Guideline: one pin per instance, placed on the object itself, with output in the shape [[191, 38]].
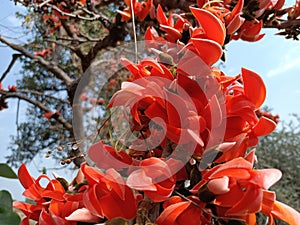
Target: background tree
[[283, 146]]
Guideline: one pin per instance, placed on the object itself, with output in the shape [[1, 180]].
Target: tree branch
[[100, 17], [284, 24], [117, 32], [80, 40], [12, 62], [58, 72], [44, 95], [38, 104], [76, 50]]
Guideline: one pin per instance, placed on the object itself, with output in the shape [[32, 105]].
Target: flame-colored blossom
[[180, 212], [154, 178], [107, 194], [52, 203]]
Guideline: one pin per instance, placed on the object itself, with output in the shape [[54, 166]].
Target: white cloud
[[283, 57], [284, 67]]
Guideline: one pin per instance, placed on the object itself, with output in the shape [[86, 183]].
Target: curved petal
[[286, 213], [115, 182], [235, 24], [219, 186], [91, 202], [107, 157], [236, 10], [250, 28], [162, 193], [192, 216], [172, 33], [130, 66], [113, 206], [25, 178], [151, 62], [252, 38], [160, 16], [146, 6], [92, 175], [251, 202], [265, 178], [241, 166], [150, 34], [45, 218], [187, 62], [254, 87], [279, 4], [171, 213], [209, 51], [138, 180], [264, 126], [82, 215], [269, 198], [26, 208], [213, 27]]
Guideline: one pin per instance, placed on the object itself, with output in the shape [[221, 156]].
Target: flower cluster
[[183, 156]]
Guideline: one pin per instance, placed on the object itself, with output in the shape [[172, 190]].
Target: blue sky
[[276, 59]]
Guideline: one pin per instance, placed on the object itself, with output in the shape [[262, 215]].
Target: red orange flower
[[107, 194], [179, 212], [49, 115], [154, 178], [141, 9], [52, 203], [237, 189], [107, 157]]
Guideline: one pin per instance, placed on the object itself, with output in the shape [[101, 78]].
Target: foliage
[[6, 171], [7, 215], [283, 145]]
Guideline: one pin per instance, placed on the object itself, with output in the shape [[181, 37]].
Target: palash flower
[[180, 212], [243, 98], [107, 194], [250, 31], [155, 178], [207, 39], [141, 9], [173, 29], [210, 26], [107, 157], [238, 191], [52, 203], [182, 106], [49, 115], [231, 19]]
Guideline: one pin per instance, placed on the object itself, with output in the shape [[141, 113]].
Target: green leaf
[[9, 218], [7, 215], [6, 171], [5, 201]]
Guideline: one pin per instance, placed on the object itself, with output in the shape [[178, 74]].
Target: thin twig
[[58, 72], [100, 17], [74, 49], [284, 24], [38, 104], [17, 119], [12, 62], [44, 95]]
